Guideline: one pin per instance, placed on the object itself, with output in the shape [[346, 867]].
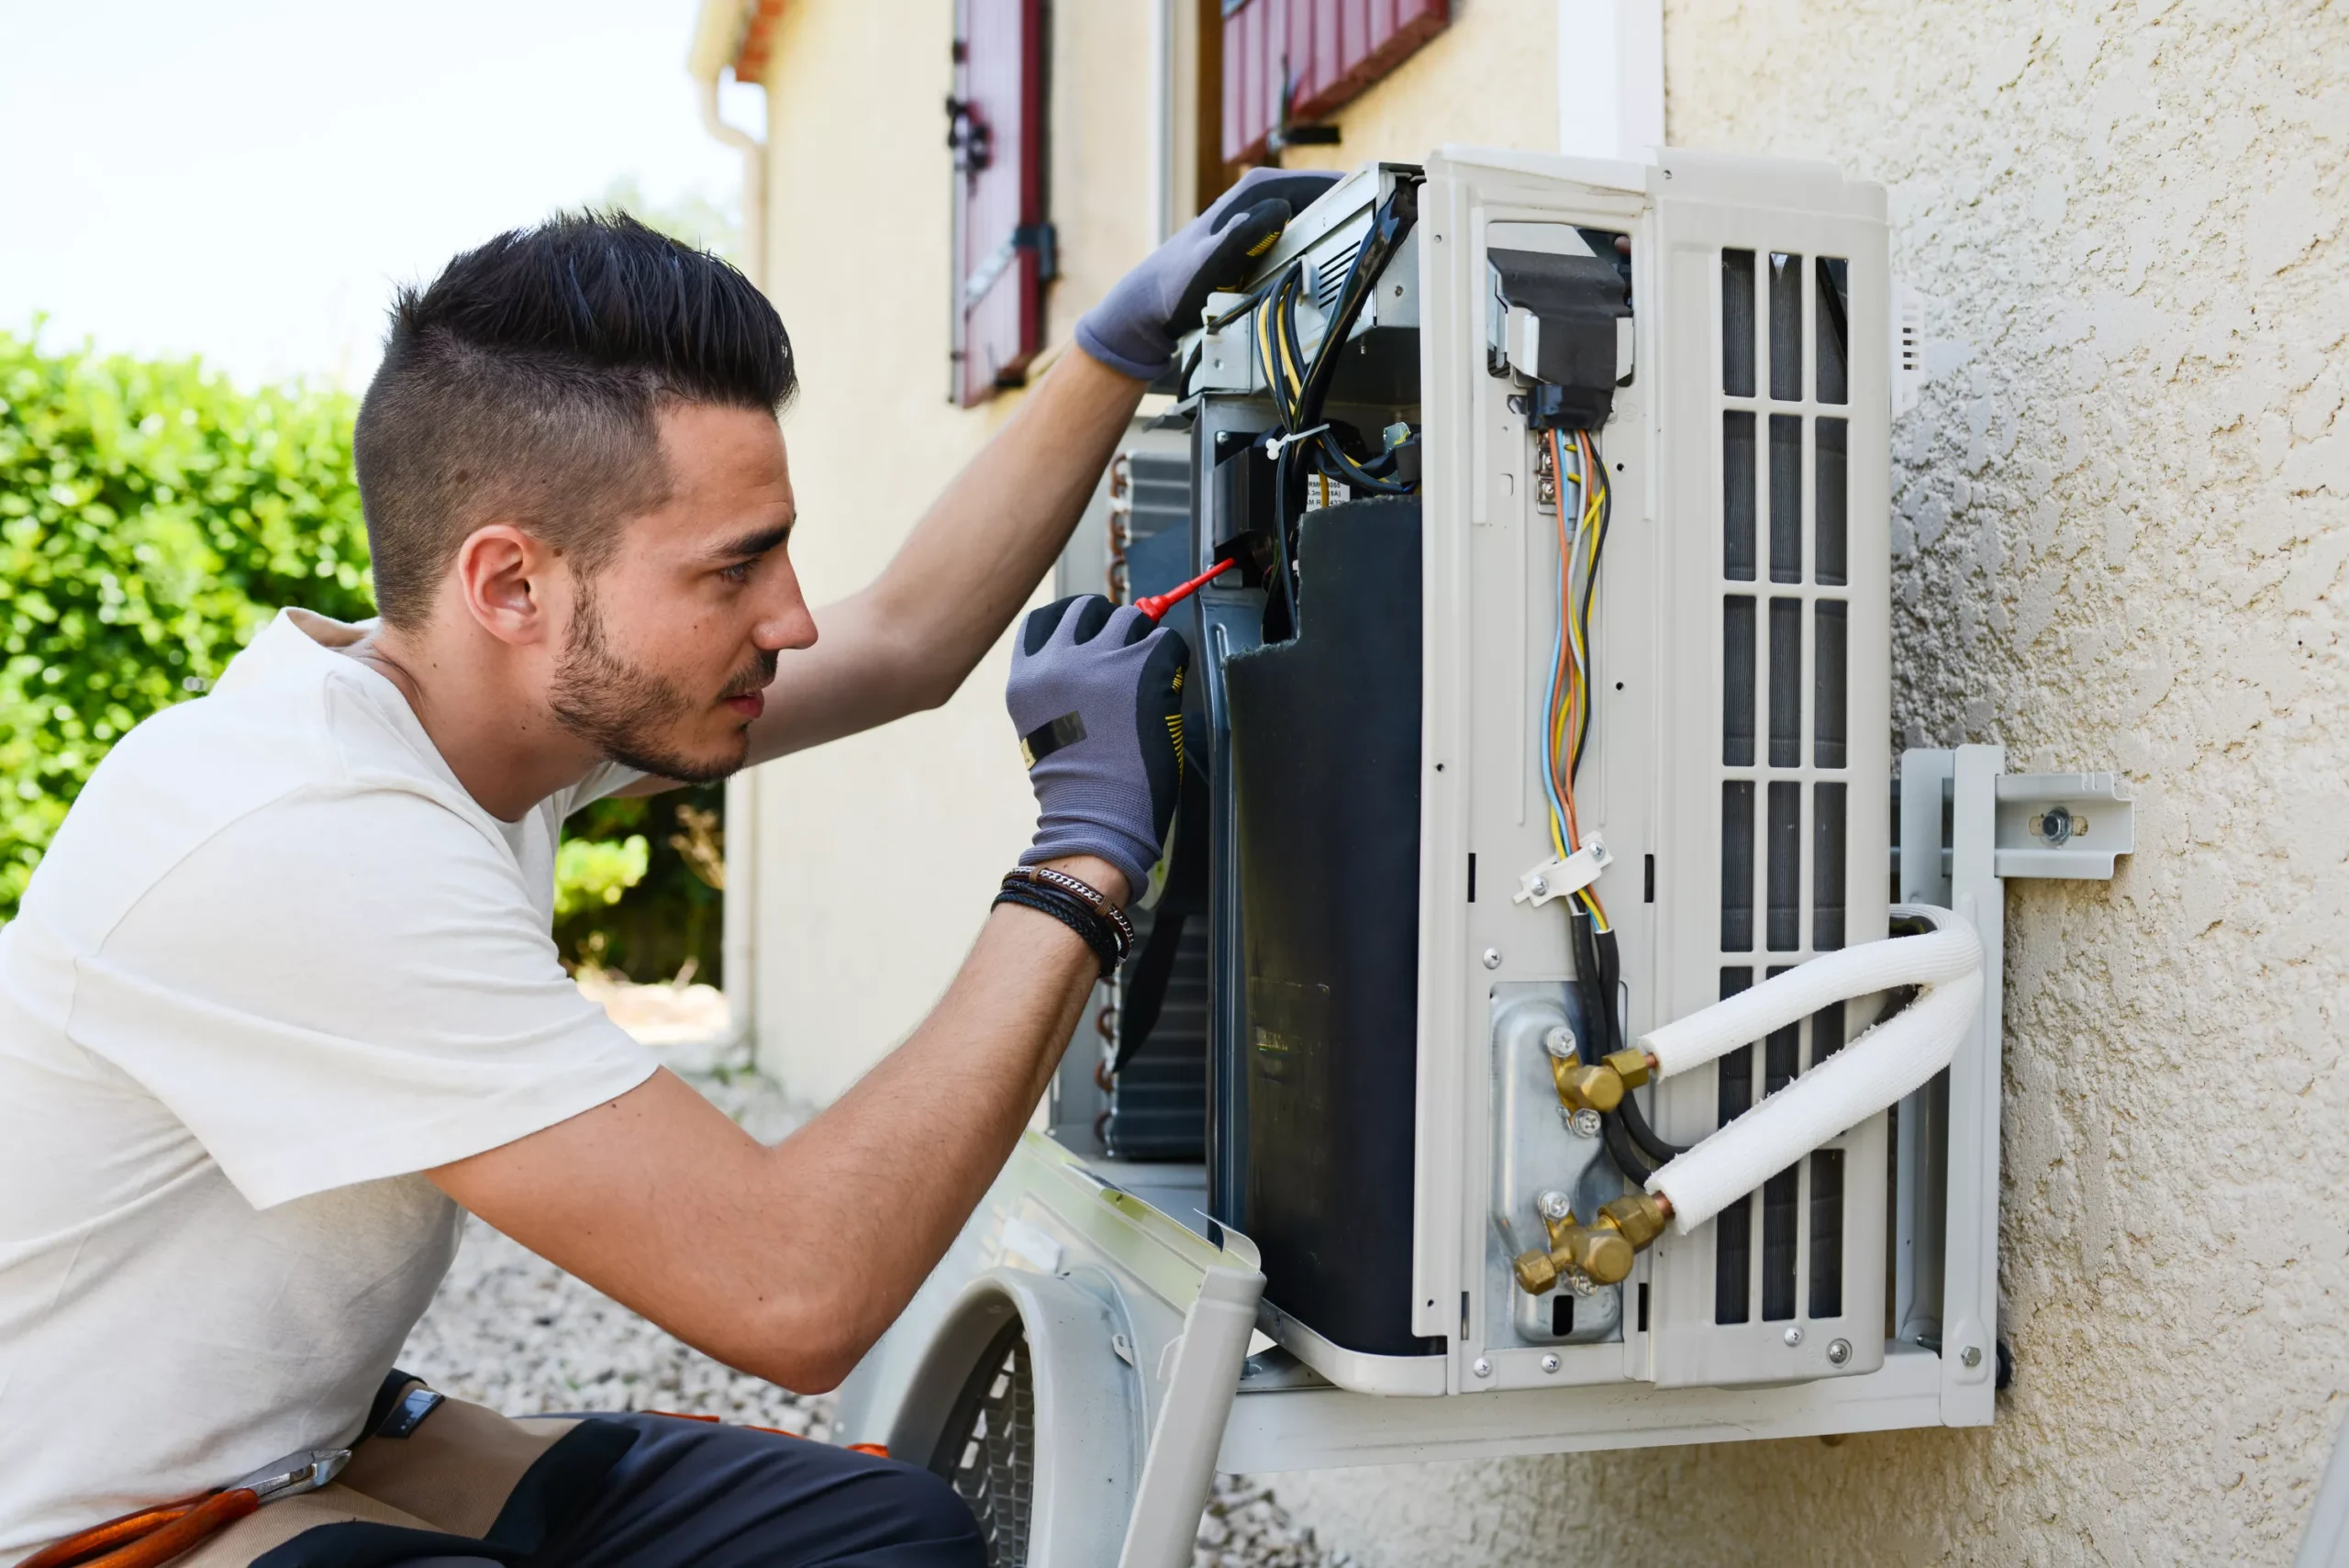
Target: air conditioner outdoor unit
[[1549, 706]]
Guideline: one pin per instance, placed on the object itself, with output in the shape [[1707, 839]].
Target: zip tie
[[1278, 444]]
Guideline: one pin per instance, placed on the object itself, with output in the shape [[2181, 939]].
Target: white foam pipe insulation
[[1888, 1060]]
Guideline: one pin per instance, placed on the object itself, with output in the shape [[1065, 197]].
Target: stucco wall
[[2123, 517], [878, 855]]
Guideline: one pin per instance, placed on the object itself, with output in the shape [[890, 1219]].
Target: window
[[1294, 61], [1002, 245]]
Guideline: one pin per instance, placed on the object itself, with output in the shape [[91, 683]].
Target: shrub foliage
[[153, 517]]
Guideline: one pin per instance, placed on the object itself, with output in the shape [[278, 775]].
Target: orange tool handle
[[86, 1544], [1157, 604], [178, 1534]]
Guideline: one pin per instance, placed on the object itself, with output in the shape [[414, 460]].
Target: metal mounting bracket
[[1967, 826], [2062, 825]]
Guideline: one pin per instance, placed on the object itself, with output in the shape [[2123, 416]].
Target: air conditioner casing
[[1744, 796]]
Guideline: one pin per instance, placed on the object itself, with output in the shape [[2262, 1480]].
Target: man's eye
[[738, 572]]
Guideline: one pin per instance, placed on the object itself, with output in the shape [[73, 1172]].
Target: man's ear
[[506, 577]]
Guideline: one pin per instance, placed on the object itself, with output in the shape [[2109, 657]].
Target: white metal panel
[[1767, 208], [1653, 780], [1491, 563], [1313, 1428]]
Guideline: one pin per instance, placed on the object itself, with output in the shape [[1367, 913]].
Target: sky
[[246, 180]]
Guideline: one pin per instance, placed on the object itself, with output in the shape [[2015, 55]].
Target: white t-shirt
[[276, 962]]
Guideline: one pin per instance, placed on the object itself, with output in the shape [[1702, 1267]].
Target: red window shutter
[[1320, 54], [1002, 245]]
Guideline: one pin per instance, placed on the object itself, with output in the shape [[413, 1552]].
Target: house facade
[[2120, 533]]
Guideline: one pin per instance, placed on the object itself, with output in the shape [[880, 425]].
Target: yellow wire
[[1295, 384], [1265, 349], [1564, 721]]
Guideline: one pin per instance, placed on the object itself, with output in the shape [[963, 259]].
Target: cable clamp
[[1557, 879]]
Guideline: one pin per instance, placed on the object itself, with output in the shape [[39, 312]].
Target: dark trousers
[[691, 1492]]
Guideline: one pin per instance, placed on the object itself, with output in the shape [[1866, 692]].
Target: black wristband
[[1074, 913], [1089, 894]]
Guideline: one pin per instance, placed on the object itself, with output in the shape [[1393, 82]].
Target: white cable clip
[[1556, 879], [1274, 447]]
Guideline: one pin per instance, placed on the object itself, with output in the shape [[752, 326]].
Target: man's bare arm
[[906, 641], [789, 1261]]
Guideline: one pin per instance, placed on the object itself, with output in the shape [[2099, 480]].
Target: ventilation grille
[[1785, 737], [1329, 277]]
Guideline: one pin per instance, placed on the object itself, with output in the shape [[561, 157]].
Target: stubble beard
[[625, 711]]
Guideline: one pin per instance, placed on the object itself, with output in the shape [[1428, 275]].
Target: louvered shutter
[[1319, 54], [1002, 245]]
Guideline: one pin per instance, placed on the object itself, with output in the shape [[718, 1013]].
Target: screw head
[[1559, 1040], [1539, 886], [1587, 1123], [1492, 958], [1793, 1334], [1971, 1355], [1583, 1283], [1549, 1363], [1481, 1367], [1838, 1351], [1554, 1203]]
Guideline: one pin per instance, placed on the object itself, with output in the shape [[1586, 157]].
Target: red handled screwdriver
[[1157, 604]]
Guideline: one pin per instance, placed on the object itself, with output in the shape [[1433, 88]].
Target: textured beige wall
[[878, 855], [2123, 517]]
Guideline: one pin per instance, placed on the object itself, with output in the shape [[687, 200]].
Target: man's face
[[670, 647]]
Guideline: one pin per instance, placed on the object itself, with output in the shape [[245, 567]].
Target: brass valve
[[1600, 1085], [1597, 1250], [1601, 1252], [1537, 1272], [1637, 1218], [1599, 1255]]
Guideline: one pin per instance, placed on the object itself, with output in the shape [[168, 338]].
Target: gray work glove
[[1134, 327], [1096, 696]]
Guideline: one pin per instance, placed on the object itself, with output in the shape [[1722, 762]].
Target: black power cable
[[1634, 1119], [1598, 1019]]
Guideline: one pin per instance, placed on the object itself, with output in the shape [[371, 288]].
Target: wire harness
[[1585, 510], [1301, 383]]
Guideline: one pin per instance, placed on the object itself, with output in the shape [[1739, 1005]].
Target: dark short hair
[[524, 383]]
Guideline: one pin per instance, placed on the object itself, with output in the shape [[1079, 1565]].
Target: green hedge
[[152, 517], [672, 916]]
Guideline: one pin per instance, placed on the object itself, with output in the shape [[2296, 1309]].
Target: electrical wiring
[[1566, 696], [1586, 508], [1298, 383], [1297, 394]]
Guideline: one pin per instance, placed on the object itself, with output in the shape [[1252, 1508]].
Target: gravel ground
[[511, 1330]]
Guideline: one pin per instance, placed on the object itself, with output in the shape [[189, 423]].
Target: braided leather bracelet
[[1093, 897], [1106, 940]]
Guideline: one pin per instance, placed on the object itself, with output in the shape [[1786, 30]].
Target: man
[[281, 1002]]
